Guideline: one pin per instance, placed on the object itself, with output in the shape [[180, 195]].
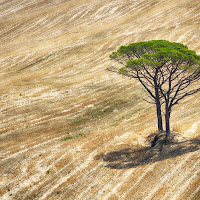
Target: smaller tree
[[166, 70], [177, 77], [131, 57]]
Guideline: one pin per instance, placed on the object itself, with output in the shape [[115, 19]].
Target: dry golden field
[[70, 129]]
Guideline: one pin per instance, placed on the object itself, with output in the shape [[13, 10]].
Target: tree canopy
[[167, 70]]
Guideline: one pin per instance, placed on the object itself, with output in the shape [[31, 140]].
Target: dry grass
[[54, 84]]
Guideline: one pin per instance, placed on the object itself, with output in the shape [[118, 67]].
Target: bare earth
[[54, 85]]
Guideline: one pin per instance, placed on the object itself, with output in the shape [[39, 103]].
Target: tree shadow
[[137, 156]]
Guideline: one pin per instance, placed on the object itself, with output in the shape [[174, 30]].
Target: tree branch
[[185, 95]]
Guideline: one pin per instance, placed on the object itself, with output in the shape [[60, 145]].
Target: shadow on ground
[[136, 156]]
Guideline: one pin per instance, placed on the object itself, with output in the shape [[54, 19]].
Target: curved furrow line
[[143, 187], [76, 13], [185, 186], [74, 83], [89, 58], [62, 180], [111, 187], [31, 27], [115, 187], [104, 187], [36, 27], [94, 183], [101, 10], [187, 178], [55, 113], [183, 37], [187, 16], [25, 6], [6, 61], [14, 62], [28, 149], [82, 59], [146, 171], [27, 28], [93, 176], [194, 193], [137, 7], [8, 29], [189, 36], [159, 16], [127, 181], [80, 16], [169, 176], [78, 74], [130, 7], [60, 171], [26, 177], [106, 10], [59, 114], [14, 29], [140, 186], [106, 13], [54, 116], [89, 178], [82, 165], [9, 9], [23, 146], [76, 66], [192, 39], [191, 15], [27, 61], [152, 19], [40, 172], [41, 30]]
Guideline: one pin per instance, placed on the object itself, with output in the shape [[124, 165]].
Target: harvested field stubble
[[69, 128]]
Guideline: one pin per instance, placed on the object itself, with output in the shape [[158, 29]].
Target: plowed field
[[72, 130]]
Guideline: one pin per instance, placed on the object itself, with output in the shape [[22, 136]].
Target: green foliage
[[165, 70], [69, 137], [134, 63], [154, 53], [123, 70], [114, 55], [48, 171]]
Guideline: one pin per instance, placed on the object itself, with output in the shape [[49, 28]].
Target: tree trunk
[[167, 120], [158, 109], [159, 116]]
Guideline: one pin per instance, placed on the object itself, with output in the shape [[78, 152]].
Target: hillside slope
[[72, 130]]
